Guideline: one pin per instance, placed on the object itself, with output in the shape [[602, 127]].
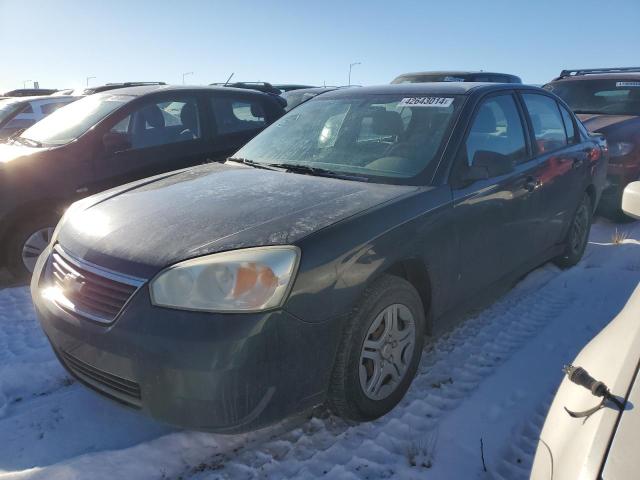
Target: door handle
[[532, 184]]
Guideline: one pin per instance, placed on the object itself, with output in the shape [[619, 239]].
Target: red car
[[607, 100]]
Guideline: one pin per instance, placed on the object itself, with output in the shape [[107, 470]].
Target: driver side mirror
[[487, 164], [115, 142], [631, 200]]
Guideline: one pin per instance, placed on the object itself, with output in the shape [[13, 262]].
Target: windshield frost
[[384, 136], [71, 121]]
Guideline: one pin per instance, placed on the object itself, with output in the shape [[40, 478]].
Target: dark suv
[[456, 76], [607, 100], [111, 138]]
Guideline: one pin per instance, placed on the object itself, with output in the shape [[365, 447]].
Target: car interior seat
[[189, 119]]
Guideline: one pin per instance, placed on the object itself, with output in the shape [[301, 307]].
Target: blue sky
[[60, 43]]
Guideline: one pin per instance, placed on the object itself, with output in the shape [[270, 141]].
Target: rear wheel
[[27, 242], [578, 235], [380, 351]]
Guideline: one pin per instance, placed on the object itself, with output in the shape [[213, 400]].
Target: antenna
[[232, 74]]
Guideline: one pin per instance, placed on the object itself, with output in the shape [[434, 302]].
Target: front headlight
[[247, 280], [620, 149]]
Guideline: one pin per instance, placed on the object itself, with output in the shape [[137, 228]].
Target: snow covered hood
[[209, 209], [570, 447]]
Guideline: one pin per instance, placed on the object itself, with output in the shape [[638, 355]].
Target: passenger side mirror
[[116, 142], [631, 200], [487, 164]]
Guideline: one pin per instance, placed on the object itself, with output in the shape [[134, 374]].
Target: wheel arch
[[414, 271], [42, 207]]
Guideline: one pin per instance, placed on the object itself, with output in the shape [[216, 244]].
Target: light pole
[[184, 75], [89, 78], [24, 83], [351, 65]]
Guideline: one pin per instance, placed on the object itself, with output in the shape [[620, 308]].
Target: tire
[[28, 237], [578, 235], [353, 371]]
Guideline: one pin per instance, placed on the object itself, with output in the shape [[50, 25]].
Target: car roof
[[40, 98], [454, 72], [431, 88], [310, 90], [598, 76], [148, 89]]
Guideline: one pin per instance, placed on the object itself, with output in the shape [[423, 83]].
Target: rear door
[[494, 217], [155, 135], [563, 166], [236, 118]]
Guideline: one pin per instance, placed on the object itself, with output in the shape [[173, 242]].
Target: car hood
[[11, 152], [602, 123], [573, 448], [154, 223]]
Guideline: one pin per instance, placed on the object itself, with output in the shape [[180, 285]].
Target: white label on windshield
[[453, 79], [425, 102], [627, 84]]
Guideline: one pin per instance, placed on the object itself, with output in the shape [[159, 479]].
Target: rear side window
[[234, 115], [27, 109], [547, 123], [497, 129], [568, 125]]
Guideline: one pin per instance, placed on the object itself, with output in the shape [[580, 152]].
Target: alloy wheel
[[34, 246]]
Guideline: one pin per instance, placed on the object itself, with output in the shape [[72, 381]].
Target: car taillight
[[594, 154]]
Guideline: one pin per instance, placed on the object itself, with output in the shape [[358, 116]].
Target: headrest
[[153, 116], [257, 110], [189, 116], [485, 121], [535, 122], [387, 123]]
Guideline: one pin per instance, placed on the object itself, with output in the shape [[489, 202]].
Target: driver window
[[497, 131]]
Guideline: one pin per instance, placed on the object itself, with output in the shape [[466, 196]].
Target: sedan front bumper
[[214, 372]]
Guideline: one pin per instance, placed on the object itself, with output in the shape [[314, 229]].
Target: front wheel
[[380, 351], [26, 243], [577, 236]]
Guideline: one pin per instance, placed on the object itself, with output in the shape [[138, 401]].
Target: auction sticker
[[426, 102], [627, 84]]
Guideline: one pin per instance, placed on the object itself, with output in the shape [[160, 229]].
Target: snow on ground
[[491, 379]]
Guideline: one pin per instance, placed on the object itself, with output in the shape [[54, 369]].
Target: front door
[[156, 136]]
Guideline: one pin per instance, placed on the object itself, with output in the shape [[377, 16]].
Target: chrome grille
[[87, 290]]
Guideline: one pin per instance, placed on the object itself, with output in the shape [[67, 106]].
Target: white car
[[19, 113], [594, 442]]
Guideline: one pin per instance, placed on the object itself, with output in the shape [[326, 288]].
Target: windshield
[[386, 138], [609, 97], [71, 121], [8, 108]]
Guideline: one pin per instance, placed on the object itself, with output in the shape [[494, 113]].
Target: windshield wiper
[[27, 141], [251, 163], [587, 112], [320, 172]]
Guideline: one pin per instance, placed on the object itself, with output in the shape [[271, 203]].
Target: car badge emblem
[[71, 283]]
